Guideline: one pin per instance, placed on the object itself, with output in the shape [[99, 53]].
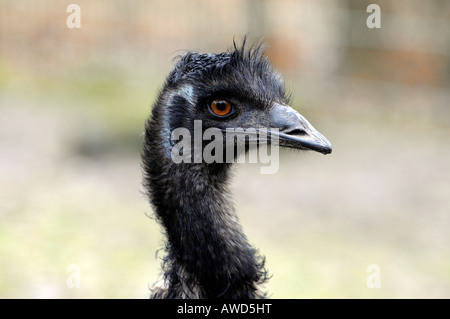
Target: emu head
[[231, 90]]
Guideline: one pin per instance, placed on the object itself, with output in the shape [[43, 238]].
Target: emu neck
[[208, 254]]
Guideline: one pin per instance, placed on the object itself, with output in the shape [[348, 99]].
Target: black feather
[[207, 254]]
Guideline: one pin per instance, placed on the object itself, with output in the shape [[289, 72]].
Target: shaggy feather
[[207, 254]]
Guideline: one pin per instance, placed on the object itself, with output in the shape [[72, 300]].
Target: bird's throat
[[207, 254], [206, 244]]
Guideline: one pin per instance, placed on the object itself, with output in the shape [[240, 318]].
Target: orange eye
[[220, 107]]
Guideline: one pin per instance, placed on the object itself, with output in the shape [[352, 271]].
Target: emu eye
[[220, 107]]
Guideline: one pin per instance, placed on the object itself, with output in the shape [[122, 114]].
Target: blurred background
[[73, 104]]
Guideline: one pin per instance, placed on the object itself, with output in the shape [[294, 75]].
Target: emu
[[207, 253]]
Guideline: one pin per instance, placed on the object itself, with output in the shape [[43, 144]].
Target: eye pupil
[[220, 107]]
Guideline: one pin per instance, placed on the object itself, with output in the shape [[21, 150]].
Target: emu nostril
[[295, 131]]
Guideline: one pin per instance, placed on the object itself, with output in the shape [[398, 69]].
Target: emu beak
[[296, 132]]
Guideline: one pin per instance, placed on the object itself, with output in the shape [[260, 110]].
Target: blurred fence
[[312, 40]]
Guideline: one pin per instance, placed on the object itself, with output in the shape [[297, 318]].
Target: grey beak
[[296, 132]]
